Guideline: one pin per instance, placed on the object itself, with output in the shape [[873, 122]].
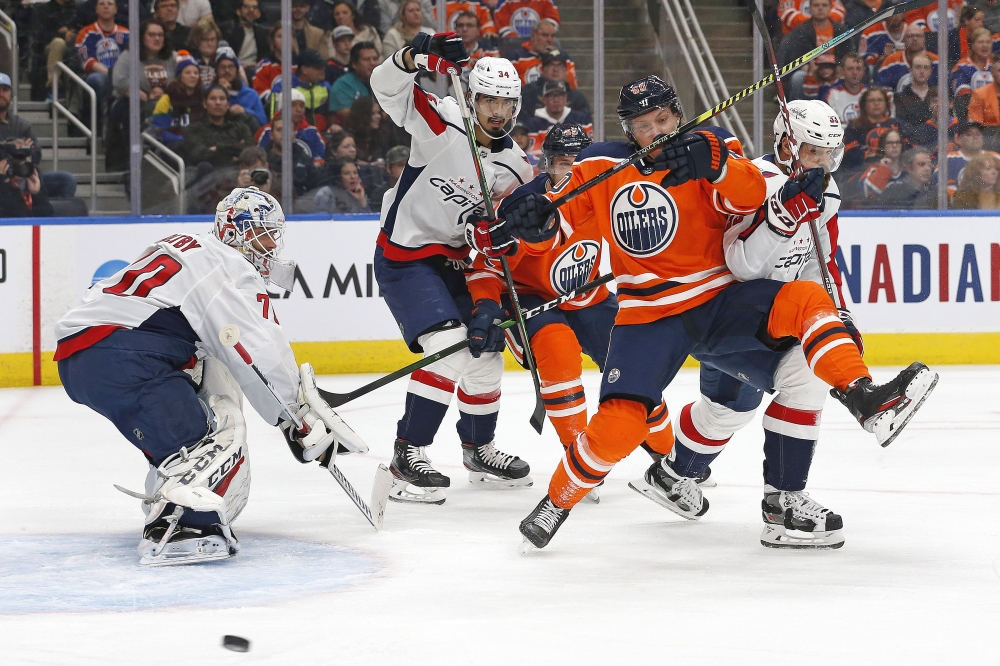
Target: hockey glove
[[490, 237], [444, 53], [311, 440], [845, 316], [693, 156], [528, 219], [795, 203], [484, 335]]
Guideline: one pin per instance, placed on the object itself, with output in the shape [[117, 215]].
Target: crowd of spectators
[[211, 81], [884, 87]]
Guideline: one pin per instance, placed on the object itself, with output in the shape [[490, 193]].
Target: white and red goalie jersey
[[754, 251], [195, 285]]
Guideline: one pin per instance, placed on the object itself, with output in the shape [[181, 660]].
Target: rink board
[[919, 284]]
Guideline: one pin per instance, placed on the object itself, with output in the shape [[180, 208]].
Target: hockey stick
[[338, 399], [793, 145], [230, 337], [537, 419], [752, 88]]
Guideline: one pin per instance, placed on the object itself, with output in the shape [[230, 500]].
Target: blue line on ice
[[101, 572]]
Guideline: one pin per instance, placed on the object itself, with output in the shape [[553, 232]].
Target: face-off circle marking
[[643, 219]]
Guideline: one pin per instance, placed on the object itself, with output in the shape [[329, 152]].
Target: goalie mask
[[252, 222], [816, 130], [497, 78]]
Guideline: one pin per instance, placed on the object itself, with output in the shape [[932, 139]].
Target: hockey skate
[[541, 525], [595, 493], [792, 519], [705, 479], [885, 409], [664, 486], [164, 543], [415, 480], [493, 469]]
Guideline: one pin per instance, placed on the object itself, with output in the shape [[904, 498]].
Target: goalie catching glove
[[444, 53], [321, 426], [796, 202]]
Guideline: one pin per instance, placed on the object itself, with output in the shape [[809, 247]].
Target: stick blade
[[334, 399], [380, 495], [537, 419]]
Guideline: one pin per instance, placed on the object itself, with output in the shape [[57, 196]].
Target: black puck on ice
[[235, 643]]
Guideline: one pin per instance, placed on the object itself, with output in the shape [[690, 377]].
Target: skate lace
[[803, 506], [417, 459], [689, 492], [494, 457], [549, 516]]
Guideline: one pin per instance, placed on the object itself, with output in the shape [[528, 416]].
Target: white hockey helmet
[[495, 77], [813, 122], [252, 222]]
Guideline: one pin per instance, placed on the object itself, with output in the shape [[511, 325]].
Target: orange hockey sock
[[661, 430], [557, 355], [803, 309], [618, 427]]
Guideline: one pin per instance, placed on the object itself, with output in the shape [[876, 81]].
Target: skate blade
[[178, 559], [487, 481], [406, 493], [527, 548], [594, 496], [776, 536], [643, 488], [888, 429]]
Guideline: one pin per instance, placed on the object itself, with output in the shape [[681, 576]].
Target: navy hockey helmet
[[563, 139], [642, 96]]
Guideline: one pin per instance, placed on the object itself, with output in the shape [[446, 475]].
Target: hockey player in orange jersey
[[558, 336], [677, 297]]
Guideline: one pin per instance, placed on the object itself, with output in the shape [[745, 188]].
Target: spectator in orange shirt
[[517, 18], [527, 60], [984, 107]]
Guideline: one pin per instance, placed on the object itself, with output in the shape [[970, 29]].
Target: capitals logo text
[[643, 219], [573, 267]]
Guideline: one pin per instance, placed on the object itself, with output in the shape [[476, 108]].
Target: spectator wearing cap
[[553, 69], [553, 112], [809, 34], [969, 137], [203, 44], [823, 75], [17, 131], [247, 36], [527, 59], [166, 11], [341, 39], [410, 23], [309, 79], [467, 27], [346, 14], [269, 68], [517, 18], [307, 36], [894, 72], [99, 45], [356, 83], [304, 131], [182, 101], [242, 98], [913, 102]]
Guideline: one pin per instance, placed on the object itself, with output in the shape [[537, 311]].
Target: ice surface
[[918, 580]]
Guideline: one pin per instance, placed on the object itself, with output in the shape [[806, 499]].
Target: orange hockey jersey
[[665, 244], [572, 259]]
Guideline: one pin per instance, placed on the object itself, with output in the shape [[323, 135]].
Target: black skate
[[414, 478], [704, 479], [885, 409], [664, 486], [166, 543], [792, 519], [541, 524], [494, 469]]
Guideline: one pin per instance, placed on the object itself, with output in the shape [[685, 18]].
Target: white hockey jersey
[[213, 286], [754, 251], [425, 213]]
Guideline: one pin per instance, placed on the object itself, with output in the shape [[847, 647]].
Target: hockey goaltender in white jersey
[[166, 348]]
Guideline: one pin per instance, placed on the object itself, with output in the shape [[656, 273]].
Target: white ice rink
[[918, 580]]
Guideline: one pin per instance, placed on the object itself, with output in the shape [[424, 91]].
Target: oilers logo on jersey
[[573, 267], [643, 219], [108, 52], [523, 20]]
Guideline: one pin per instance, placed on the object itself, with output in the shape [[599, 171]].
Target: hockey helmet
[[563, 139], [495, 77], [813, 122], [252, 222], [640, 97]]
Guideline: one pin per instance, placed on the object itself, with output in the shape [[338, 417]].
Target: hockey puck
[[235, 643]]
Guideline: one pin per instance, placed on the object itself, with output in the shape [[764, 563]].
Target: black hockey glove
[[797, 202], [490, 237], [845, 316], [527, 219], [693, 156], [444, 53], [484, 335]]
